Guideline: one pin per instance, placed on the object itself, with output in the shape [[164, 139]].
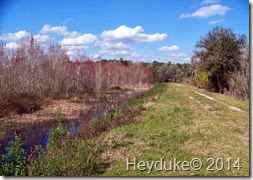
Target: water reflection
[[37, 134]]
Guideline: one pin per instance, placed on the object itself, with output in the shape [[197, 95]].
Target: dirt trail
[[210, 98], [205, 107]]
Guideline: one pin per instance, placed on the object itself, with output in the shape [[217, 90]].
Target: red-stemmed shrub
[[49, 72]]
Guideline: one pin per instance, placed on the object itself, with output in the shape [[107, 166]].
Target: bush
[[201, 80], [13, 163]]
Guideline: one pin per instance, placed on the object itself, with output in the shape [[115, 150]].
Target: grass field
[[184, 124]]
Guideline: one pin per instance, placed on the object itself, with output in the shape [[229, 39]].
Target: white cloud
[[124, 33], [77, 45], [207, 11], [169, 49], [215, 21], [120, 46], [150, 37], [67, 20], [178, 57], [58, 30], [171, 52], [43, 39], [14, 37], [210, 2], [73, 34], [116, 42], [111, 43], [133, 56], [95, 56], [75, 50], [11, 45], [71, 53], [127, 53], [147, 59], [84, 39], [187, 59], [118, 49], [115, 52]]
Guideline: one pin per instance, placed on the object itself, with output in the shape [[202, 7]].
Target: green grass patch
[[179, 127]]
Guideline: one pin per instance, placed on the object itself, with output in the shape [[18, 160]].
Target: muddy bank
[[34, 131]]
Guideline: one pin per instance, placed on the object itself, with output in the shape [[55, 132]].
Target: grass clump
[[70, 157]]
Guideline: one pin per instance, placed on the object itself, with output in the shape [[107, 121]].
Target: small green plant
[[59, 115], [57, 132], [13, 163]]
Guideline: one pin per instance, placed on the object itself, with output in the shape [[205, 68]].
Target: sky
[[139, 30]]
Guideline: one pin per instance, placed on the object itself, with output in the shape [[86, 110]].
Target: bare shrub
[[239, 80], [49, 72]]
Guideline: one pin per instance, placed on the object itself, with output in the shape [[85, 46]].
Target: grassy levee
[[183, 125], [169, 121]]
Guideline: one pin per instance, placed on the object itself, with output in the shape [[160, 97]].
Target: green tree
[[219, 52]]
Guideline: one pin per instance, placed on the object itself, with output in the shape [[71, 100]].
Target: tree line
[[220, 63], [34, 70]]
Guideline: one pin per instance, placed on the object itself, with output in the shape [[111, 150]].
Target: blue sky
[[141, 30]]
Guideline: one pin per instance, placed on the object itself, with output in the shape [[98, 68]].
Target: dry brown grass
[[19, 104], [118, 147]]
